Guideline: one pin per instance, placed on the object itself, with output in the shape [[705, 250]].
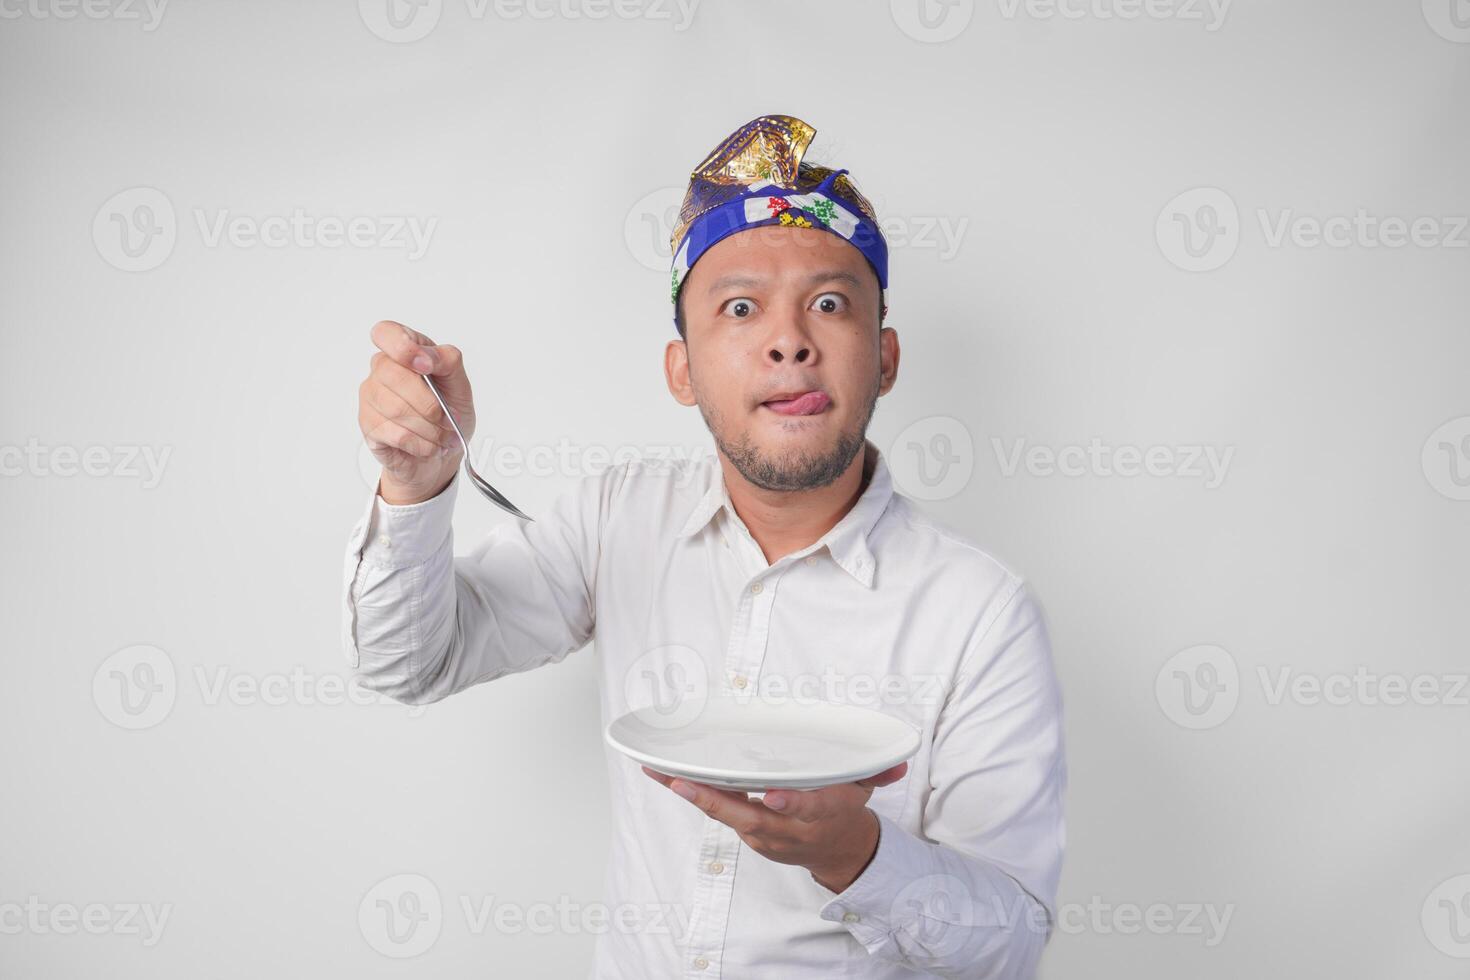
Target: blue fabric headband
[[756, 178]]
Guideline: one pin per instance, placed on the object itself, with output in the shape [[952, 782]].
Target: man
[[786, 557]]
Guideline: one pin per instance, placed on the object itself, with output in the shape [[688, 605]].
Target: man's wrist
[[837, 879], [396, 494]]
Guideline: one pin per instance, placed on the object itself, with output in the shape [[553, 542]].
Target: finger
[[414, 351], [817, 804], [381, 432], [811, 805], [391, 405], [657, 776], [887, 776], [731, 808], [409, 386], [401, 343]]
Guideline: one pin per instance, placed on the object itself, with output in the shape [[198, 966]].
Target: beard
[[794, 470]]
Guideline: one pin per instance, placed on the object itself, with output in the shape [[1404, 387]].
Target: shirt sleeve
[[974, 893], [420, 624]]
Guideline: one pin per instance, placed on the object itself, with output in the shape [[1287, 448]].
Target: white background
[[1052, 145]]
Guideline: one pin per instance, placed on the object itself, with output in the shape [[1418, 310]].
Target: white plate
[[749, 744]]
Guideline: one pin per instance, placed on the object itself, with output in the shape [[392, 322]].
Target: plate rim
[[913, 741]]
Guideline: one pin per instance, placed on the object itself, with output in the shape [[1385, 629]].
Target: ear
[[676, 372], [888, 353]]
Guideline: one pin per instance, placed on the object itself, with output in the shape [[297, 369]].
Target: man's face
[[783, 353]]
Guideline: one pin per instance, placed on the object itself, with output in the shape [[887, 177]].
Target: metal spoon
[[481, 484]]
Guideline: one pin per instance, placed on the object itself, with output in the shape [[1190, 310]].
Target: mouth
[[798, 403]]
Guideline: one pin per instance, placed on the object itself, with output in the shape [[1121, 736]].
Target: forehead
[[774, 252]]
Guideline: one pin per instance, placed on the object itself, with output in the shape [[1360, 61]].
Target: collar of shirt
[[847, 541]]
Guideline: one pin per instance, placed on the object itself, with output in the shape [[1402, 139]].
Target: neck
[[783, 521]]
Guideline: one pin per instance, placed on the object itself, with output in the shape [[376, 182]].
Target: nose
[[792, 342]]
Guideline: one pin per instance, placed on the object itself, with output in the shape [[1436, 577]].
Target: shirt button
[[849, 917], [383, 540], [716, 867], [700, 963], [756, 589], [739, 681], [811, 559]]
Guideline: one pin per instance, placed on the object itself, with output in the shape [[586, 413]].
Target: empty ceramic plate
[[749, 744]]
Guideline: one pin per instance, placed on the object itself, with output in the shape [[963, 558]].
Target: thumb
[[444, 362]]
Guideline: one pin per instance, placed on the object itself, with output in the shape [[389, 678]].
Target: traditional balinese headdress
[[755, 177]]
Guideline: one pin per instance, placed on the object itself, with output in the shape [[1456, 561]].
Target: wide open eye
[[830, 303], [739, 307]]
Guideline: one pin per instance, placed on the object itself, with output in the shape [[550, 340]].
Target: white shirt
[[888, 609]]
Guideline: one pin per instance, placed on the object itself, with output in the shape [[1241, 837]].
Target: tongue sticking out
[[808, 404]]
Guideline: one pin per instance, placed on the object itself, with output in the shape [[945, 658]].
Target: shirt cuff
[[404, 535], [870, 907]]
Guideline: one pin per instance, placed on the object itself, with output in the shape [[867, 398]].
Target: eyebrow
[[816, 278]]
